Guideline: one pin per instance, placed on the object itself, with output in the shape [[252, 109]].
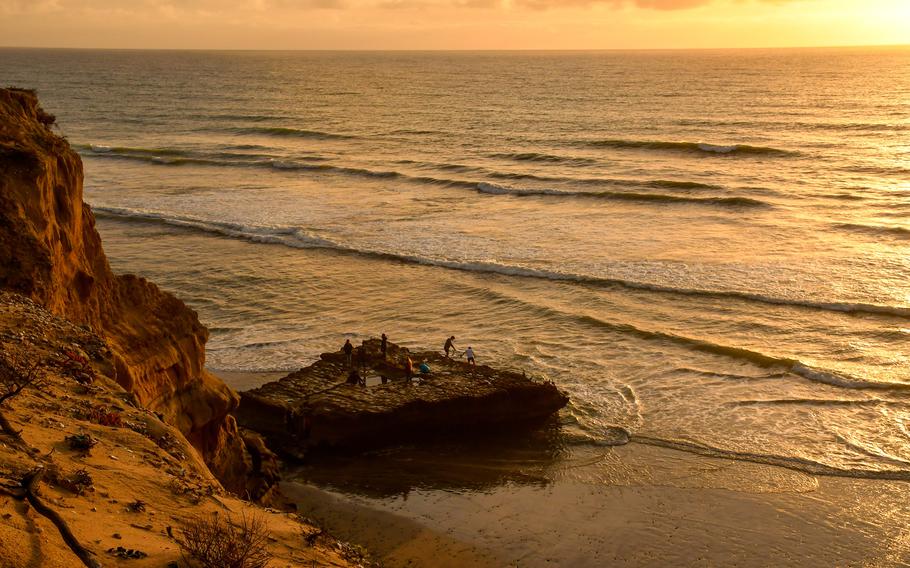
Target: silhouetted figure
[[469, 353], [384, 345], [348, 349], [354, 378], [450, 345]]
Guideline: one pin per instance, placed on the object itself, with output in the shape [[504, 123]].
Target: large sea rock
[[316, 408]]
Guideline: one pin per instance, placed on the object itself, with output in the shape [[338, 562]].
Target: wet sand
[[634, 505]]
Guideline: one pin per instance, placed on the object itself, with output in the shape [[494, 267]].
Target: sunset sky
[[452, 24]]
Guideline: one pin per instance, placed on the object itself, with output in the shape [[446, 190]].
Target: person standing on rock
[[384, 345], [348, 349], [469, 353], [363, 354], [450, 345]]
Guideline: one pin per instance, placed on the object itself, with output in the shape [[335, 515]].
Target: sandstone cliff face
[[51, 252]]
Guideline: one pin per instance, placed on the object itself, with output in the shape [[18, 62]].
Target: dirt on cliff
[[125, 483], [51, 253]]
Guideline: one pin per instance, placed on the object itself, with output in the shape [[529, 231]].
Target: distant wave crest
[[695, 147], [546, 158], [290, 132], [495, 189]]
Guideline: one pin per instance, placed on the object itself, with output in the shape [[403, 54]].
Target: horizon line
[[459, 50]]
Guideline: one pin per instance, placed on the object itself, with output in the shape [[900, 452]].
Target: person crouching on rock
[[348, 349], [408, 369], [469, 353], [450, 345]]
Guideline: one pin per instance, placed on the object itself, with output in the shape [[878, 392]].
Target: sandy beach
[[629, 506]]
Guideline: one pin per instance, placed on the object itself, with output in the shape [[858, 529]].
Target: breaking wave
[[298, 238], [875, 230]]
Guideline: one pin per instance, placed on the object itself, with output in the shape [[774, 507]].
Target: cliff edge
[[51, 253]]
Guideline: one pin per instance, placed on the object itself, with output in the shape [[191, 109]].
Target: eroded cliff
[[51, 252]]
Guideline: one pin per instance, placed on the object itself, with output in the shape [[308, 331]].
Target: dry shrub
[[217, 542]]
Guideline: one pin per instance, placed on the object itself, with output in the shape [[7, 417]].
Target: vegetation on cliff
[[128, 487]]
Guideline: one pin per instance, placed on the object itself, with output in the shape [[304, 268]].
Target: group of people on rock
[[355, 378]]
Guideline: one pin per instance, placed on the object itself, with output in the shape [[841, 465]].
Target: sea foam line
[[297, 238], [790, 462]]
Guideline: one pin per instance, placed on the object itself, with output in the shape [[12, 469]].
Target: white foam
[[298, 238], [840, 380], [284, 165], [717, 148]]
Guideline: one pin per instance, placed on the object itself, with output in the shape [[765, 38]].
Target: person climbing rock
[[348, 349], [450, 345]]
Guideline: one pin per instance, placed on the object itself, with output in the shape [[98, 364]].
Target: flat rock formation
[[317, 408], [51, 253]]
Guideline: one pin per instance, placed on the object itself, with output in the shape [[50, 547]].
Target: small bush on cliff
[[217, 542], [13, 380]]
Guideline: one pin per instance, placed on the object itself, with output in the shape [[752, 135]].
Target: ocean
[[708, 250]]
